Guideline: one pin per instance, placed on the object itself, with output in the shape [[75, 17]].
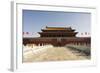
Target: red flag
[[27, 33], [85, 33], [23, 33]]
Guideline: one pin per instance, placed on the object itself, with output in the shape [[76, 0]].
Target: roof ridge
[[57, 27]]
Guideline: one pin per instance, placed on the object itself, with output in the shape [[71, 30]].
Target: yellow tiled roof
[[57, 28]]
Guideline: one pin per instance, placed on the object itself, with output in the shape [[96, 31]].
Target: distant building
[[57, 36]]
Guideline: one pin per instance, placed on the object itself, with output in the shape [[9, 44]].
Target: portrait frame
[[16, 34]]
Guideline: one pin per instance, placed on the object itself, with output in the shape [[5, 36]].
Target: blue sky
[[34, 20]]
